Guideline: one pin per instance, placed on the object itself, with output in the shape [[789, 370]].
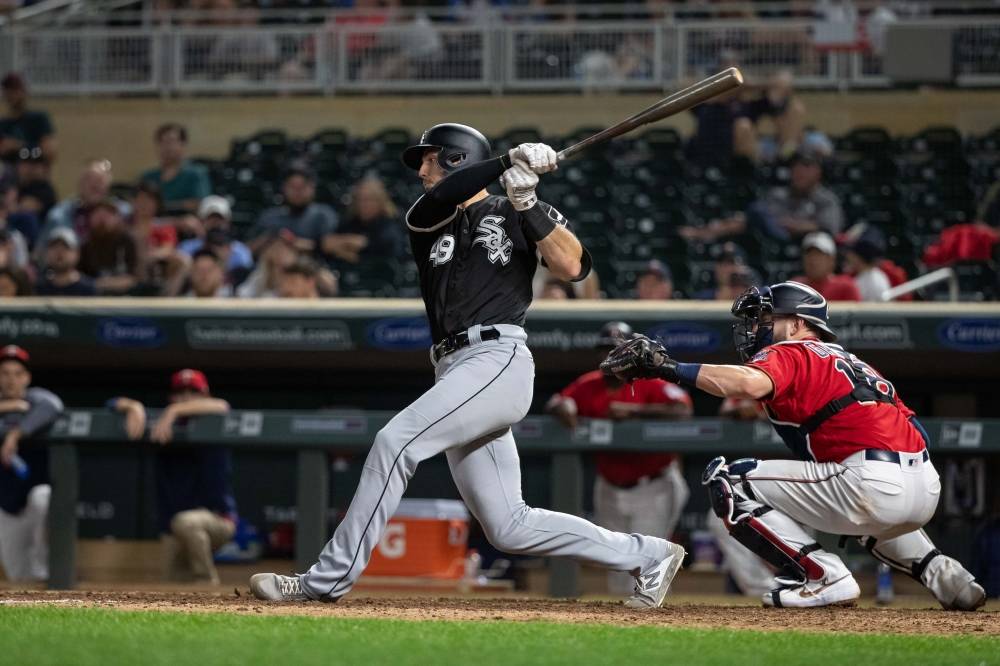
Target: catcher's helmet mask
[[457, 146], [753, 332]]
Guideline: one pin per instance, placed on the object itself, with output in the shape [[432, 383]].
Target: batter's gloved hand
[[640, 358], [520, 182], [539, 157]]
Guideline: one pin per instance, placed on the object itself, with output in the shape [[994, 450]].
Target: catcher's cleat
[[651, 586], [811, 594]]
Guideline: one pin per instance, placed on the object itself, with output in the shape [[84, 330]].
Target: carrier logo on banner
[[971, 335], [130, 332], [686, 336]]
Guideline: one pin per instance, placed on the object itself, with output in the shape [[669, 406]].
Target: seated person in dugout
[[25, 410], [195, 506]]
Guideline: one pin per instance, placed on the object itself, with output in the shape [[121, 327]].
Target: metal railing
[[427, 56], [934, 277]]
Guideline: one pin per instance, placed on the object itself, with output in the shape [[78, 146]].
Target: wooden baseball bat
[[682, 100]]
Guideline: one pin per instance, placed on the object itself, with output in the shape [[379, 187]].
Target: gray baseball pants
[[479, 392]]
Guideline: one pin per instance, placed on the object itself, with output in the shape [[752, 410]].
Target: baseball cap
[[820, 240], [65, 235], [215, 205], [658, 268], [14, 353], [189, 380]]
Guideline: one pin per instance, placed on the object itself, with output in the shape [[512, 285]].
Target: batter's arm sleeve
[[438, 206], [45, 409]]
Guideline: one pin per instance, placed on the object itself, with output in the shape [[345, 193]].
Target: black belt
[[882, 455], [457, 341]]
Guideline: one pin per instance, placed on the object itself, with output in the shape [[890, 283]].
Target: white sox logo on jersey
[[491, 235]]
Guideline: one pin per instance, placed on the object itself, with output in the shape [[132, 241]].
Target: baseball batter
[[864, 469], [476, 254]]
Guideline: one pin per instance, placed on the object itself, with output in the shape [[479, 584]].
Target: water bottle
[[883, 585], [470, 576], [19, 467]]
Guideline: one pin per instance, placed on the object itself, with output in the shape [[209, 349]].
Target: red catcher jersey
[[808, 374], [593, 400]]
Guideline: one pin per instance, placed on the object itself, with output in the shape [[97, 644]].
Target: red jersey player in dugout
[[863, 468]]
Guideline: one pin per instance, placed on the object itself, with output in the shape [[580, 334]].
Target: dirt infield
[[677, 614]]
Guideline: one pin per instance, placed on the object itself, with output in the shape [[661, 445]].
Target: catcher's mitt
[[639, 358]]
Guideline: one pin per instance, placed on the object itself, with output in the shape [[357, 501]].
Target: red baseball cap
[[14, 353], [189, 380]]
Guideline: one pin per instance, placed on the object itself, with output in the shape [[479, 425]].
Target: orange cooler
[[426, 538]]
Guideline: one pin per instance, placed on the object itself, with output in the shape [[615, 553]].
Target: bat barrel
[[680, 101]]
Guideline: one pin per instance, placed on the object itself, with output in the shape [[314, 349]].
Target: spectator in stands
[[786, 212], [182, 184], [732, 275], [864, 252], [60, 276], [655, 282], [93, 188], [276, 254], [819, 257], [21, 127], [299, 280], [208, 276], [14, 282], [109, 254], [633, 492], [25, 410], [727, 125], [215, 217], [372, 227], [164, 268], [309, 221], [195, 505]]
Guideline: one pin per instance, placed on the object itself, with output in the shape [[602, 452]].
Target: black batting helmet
[[459, 145], [784, 298], [612, 334]]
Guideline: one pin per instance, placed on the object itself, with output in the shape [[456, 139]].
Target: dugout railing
[[311, 436]]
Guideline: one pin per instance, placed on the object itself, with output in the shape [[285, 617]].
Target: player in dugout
[[25, 411], [196, 509], [864, 469], [633, 492]]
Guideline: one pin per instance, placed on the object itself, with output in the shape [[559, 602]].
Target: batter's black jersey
[[477, 266]]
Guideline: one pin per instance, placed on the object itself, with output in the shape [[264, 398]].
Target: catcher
[[863, 467]]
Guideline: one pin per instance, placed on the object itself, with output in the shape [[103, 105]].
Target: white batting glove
[[539, 157], [520, 182]]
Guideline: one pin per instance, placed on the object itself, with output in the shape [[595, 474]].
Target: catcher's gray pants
[[478, 393]]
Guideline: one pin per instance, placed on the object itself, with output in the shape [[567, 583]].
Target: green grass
[[75, 636]]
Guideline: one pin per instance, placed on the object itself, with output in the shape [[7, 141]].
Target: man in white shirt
[[861, 259]]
